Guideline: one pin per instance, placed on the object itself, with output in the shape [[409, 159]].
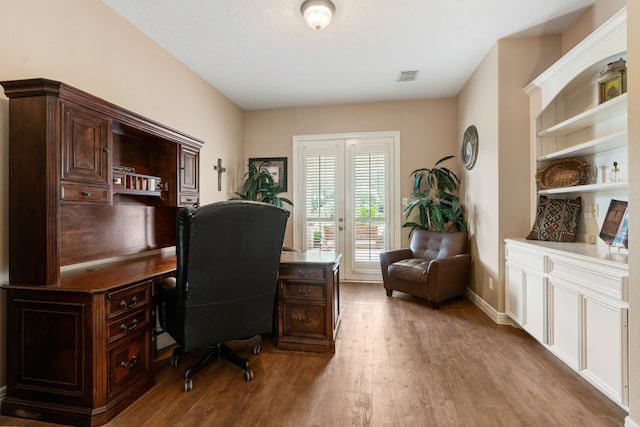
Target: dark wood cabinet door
[[188, 170], [85, 146]]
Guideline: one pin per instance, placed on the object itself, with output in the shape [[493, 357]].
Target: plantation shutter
[[320, 202], [369, 202]]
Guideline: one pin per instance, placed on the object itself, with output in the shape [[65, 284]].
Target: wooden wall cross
[[220, 170]]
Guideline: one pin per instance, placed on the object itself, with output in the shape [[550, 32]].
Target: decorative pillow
[[556, 220]]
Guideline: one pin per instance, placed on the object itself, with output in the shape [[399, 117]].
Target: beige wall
[[478, 105], [496, 190], [591, 19], [427, 132], [86, 44]]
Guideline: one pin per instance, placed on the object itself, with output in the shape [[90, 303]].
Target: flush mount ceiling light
[[317, 13]]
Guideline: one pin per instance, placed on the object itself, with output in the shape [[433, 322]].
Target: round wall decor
[[469, 152]]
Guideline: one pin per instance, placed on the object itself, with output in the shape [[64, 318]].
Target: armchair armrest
[[449, 276], [389, 257]]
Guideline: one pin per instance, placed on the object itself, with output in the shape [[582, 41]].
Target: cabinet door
[[515, 293], [535, 311], [85, 146], [564, 325], [188, 170], [605, 344]]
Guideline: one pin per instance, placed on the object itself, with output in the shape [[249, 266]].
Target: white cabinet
[[526, 290], [573, 298]]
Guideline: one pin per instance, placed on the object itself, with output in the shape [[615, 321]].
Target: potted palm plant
[[259, 186], [436, 200]]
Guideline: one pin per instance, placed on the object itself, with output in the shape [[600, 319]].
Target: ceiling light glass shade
[[317, 13]]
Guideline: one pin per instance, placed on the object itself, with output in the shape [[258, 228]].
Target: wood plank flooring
[[397, 363]]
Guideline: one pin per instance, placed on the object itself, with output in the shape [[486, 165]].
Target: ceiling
[[261, 54]]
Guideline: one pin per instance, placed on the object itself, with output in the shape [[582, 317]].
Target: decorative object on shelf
[[614, 231], [614, 176], [564, 173], [220, 169], [439, 207], [124, 169], [317, 13], [469, 152], [612, 81], [556, 220], [262, 182]]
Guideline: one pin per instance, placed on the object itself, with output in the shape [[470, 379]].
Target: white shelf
[[607, 110], [618, 140], [610, 186]]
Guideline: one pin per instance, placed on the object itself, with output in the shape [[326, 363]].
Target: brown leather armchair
[[435, 266]]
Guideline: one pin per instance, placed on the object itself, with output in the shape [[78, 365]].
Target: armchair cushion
[[414, 269]]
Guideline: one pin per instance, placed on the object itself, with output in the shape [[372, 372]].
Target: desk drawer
[[128, 324], [303, 291], [301, 272], [127, 361], [83, 193], [304, 320], [119, 302]]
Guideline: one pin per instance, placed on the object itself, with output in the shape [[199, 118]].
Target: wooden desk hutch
[[88, 181]]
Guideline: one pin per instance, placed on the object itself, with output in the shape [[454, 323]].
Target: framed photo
[[276, 166], [611, 88], [614, 231], [612, 81]]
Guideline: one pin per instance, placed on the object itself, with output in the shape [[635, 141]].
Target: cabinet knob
[[126, 328], [134, 301], [106, 150], [130, 363], [304, 293], [303, 273], [86, 193]]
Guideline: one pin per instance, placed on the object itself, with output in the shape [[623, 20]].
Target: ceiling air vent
[[408, 76]]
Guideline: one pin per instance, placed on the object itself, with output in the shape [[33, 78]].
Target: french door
[[344, 196]]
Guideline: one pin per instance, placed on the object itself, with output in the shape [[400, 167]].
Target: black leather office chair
[[224, 292]]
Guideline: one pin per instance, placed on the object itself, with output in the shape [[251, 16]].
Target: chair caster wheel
[[188, 385], [248, 375], [175, 362], [257, 349]]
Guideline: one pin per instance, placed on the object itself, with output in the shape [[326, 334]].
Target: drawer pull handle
[[134, 301], [124, 327], [304, 293], [303, 273], [86, 193], [128, 365], [301, 320]]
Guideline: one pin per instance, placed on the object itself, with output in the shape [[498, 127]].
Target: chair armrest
[[389, 257], [449, 275], [167, 293]]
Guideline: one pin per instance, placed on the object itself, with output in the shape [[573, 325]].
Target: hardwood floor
[[397, 363]]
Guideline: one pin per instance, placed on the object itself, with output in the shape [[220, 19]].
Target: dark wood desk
[[80, 352], [309, 301]]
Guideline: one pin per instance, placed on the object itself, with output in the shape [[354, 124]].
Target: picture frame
[[612, 81], [611, 88], [277, 168], [614, 231]]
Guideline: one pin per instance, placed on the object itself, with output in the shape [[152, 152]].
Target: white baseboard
[[496, 316], [628, 422]]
